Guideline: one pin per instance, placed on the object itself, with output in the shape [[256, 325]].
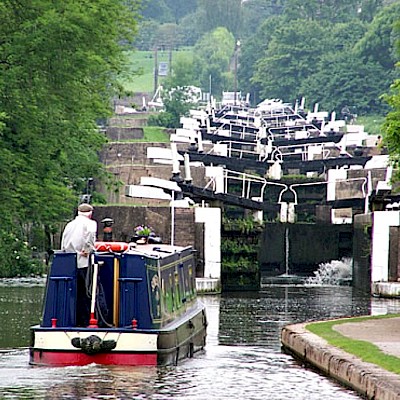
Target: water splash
[[335, 272], [287, 251]]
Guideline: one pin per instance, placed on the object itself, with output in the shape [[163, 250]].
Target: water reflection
[[259, 317], [242, 358], [20, 307]]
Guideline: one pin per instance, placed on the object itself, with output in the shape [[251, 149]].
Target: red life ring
[[111, 246]]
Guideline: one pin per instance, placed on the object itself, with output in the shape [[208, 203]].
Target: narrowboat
[[143, 308]]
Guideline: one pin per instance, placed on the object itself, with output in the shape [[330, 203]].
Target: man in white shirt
[[79, 236]]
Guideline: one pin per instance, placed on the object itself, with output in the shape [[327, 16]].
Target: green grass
[[152, 134], [372, 123], [364, 350], [155, 134], [143, 62]]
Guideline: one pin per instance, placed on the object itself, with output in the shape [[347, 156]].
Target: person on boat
[[79, 236]]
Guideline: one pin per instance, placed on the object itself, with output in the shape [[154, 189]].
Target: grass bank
[[152, 134], [366, 351], [372, 123], [142, 63], [155, 134]]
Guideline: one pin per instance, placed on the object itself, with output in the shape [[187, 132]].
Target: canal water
[[242, 360]]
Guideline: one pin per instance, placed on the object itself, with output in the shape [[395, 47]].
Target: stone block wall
[[122, 153], [128, 162], [124, 133], [126, 121], [185, 230], [126, 218]]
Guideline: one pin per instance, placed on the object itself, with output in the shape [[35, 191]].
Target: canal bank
[[368, 379]]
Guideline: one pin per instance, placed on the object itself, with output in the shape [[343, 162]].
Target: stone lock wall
[[126, 218], [128, 162]]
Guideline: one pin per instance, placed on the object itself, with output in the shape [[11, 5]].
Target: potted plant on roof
[[144, 234]]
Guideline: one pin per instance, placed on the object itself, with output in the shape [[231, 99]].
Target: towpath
[[383, 333], [367, 379]]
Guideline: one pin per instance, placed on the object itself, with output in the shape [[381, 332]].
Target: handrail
[[248, 180], [229, 174], [364, 179]]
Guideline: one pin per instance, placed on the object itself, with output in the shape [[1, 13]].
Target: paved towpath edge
[[367, 379]]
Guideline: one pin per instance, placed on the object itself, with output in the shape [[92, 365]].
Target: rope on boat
[[100, 303]]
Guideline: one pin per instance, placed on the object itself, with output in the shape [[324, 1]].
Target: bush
[[17, 257], [165, 119]]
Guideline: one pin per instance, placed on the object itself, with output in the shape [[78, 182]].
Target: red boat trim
[[65, 358]]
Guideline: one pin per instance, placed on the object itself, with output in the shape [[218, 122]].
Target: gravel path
[[384, 333]]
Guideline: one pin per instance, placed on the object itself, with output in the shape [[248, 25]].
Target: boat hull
[[178, 340], [52, 358]]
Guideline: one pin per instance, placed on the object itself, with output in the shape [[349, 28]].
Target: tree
[[292, 53], [212, 59], [391, 126], [291, 56], [167, 11], [183, 73], [343, 79], [168, 36], [147, 37], [190, 29], [377, 45], [392, 121], [156, 10], [221, 13], [333, 11], [181, 8], [255, 12], [368, 9], [253, 49], [176, 105], [60, 63]]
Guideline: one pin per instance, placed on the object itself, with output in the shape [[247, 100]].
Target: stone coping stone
[[386, 289]]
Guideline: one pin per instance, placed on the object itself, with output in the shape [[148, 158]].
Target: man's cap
[[85, 207]]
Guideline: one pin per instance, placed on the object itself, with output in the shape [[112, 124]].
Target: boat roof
[[156, 250]]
